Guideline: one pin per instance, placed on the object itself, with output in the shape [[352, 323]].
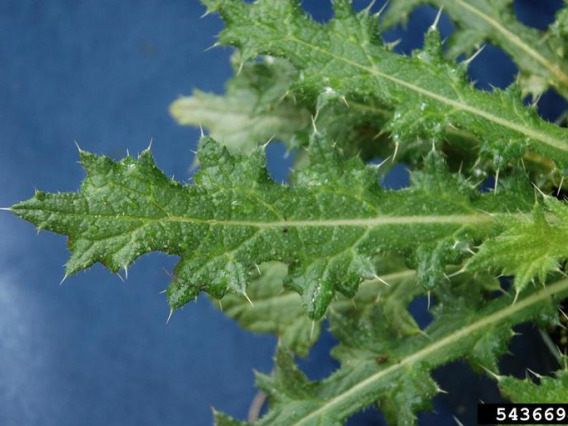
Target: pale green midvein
[[368, 222], [553, 68], [479, 218], [527, 131], [439, 345]]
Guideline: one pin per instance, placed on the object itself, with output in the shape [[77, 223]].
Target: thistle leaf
[[279, 311], [328, 227], [275, 310], [346, 57], [540, 58], [221, 419], [254, 109], [530, 247], [395, 373], [551, 390]]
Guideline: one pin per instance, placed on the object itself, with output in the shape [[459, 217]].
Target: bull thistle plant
[[332, 246]]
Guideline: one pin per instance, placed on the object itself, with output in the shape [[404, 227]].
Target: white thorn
[[150, 144], [460, 168], [241, 65], [64, 278], [258, 269], [395, 151], [344, 99], [220, 305], [119, 276], [201, 129], [392, 45], [458, 422], [382, 9], [213, 46], [560, 186], [491, 373], [437, 19], [536, 100], [378, 166], [370, 6], [428, 306], [268, 141], [250, 301], [540, 191], [439, 389], [168, 273], [461, 271], [313, 329], [314, 118], [6, 209], [516, 296], [538, 376], [376, 277], [475, 55], [78, 147], [170, 315], [125, 267], [496, 182]]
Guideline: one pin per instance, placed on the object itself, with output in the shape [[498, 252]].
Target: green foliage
[[333, 244], [541, 58], [327, 227], [401, 383], [254, 110], [530, 247], [345, 58], [278, 311], [550, 390]]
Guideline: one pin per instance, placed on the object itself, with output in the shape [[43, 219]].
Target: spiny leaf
[[427, 92], [260, 104], [367, 376], [559, 28], [550, 390], [279, 311], [530, 246], [540, 57], [275, 310], [254, 109], [221, 419], [411, 393], [327, 227]]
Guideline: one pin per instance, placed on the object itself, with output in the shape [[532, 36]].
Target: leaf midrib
[[359, 389], [542, 137], [552, 68], [475, 218]]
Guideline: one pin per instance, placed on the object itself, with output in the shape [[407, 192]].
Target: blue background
[[96, 350]]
